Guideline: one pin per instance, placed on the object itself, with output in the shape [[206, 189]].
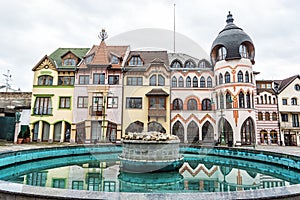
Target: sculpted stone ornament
[[150, 136]]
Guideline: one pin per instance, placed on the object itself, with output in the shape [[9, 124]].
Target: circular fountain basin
[[197, 160]]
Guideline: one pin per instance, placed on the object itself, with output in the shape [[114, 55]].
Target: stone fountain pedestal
[[150, 153]]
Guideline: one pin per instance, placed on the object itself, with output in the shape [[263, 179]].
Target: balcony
[[42, 111], [96, 111]]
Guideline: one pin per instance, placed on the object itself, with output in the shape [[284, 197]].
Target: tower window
[[240, 77], [176, 64], [222, 52], [243, 51], [227, 77]]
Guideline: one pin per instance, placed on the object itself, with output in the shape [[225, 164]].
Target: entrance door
[[290, 139]]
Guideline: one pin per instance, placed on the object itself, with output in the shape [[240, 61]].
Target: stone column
[[51, 133], [40, 134], [16, 132], [63, 130]]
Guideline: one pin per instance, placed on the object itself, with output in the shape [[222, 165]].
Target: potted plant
[[20, 138], [27, 135]]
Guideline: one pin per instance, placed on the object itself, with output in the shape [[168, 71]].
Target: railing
[[42, 111], [157, 112], [96, 111]]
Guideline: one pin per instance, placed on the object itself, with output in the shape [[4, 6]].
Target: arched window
[[192, 104], [273, 137], [189, 64], [274, 116], [240, 77], [220, 79], [260, 116], [177, 104], [221, 101], [241, 100], [135, 61], [178, 130], [248, 102], [257, 100], [174, 82], [251, 78], [216, 80], [263, 137], [222, 52], [267, 116], [266, 100], [202, 82], [176, 64], [294, 101], [155, 126], [180, 82], [209, 82], [228, 100], [188, 82], [270, 102], [206, 104], [261, 100], [243, 51], [195, 81], [247, 77], [45, 80], [153, 80], [274, 100], [192, 132], [227, 77], [248, 132], [161, 80]]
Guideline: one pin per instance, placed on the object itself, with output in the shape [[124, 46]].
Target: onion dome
[[232, 43]]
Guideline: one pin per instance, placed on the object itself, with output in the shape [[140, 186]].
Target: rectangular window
[[295, 120], [58, 183], [43, 106], [84, 79], [64, 102], [66, 80], [135, 102], [93, 182], [97, 104], [284, 101], [113, 79], [109, 186], [77, 185], [134, 81], [36, 179], [284, 117], [82, 102], [157, 102], [99, 78], [112, 102]]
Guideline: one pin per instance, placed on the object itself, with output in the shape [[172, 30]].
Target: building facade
[[52, 95]]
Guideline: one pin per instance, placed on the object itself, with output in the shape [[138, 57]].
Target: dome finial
[[102, 35], [229, 18]]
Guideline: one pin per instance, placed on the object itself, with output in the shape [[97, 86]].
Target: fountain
[[150, 152]]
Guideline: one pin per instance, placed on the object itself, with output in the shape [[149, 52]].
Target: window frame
[[137, 101], [114, 102], [134, 81], [84, 79], [113, 79], [85, 101], [98, 78], [64, 102]]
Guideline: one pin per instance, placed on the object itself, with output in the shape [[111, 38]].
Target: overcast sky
[[30, 29]]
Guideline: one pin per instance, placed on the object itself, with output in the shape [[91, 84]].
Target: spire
[[229, 18]]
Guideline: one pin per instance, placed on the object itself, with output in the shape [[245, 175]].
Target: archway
[[178, 130], [136, 126], [57, 132], [157, 127], [192, 132], [225, 133], [45, 133], [248, 132], [207, 133]]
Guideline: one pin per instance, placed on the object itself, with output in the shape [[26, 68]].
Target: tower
[[232, 57]]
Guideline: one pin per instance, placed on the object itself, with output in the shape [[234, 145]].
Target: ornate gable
[[45, 63]]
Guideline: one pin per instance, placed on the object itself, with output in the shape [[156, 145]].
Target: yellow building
[[146, 95], [52, 95]]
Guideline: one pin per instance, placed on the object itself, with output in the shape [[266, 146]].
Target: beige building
[[146, 93]]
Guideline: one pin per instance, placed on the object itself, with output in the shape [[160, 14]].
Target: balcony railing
[[42, 111], [96, 111], [157, 112]]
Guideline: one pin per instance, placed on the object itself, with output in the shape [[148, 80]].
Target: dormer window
[[176, 64], [135, 61], [89, 59], [222, 52], [189, 64], [69, 62], [114, 60], [243, 51], [202, 64]]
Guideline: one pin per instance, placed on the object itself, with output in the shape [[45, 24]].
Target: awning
[[157, 92]]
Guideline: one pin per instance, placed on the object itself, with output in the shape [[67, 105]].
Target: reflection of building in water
[[210, 178], [192, 176], [94, 176]]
